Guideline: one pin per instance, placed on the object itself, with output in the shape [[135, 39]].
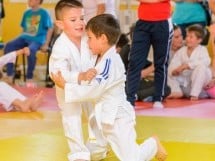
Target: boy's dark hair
[[105, 24], [41, 1], [175, 27], [197, 29], [123, 40], [62, 4], [131, 30]]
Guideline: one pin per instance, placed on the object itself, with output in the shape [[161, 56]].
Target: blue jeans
[[20, 43]]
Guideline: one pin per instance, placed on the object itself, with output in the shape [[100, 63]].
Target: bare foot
[[194, 98], [37, 100], [161, 154], [22, 106]]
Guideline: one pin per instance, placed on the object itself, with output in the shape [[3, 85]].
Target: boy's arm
[[180, 69], [59, 80], [147, 71], [76, 92], [87, 76], [60, 61], [48, 40]]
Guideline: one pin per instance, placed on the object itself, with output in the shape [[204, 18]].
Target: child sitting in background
[[189, 69]]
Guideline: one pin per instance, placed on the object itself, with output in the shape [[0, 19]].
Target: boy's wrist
[[80, 77]]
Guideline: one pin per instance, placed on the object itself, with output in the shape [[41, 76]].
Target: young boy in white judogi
[[114, 114], [10, 98], [71, 56], [189, 69]]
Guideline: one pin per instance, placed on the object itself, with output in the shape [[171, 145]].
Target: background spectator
[[37, 31]]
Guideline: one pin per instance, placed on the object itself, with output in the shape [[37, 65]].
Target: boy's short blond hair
[[63, 4], [198, 30]]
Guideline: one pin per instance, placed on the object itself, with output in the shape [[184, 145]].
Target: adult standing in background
[[97, 7], [212, 38], [212, 35], [154, 27]]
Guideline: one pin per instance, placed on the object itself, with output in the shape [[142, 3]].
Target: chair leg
[[47, 67], [24, 72], [15, 65], [48, 80]]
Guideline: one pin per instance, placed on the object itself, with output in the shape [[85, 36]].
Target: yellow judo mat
[[39, 136]]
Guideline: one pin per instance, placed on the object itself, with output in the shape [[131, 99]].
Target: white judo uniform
[[114, 114], [67, 58], [192, 81], [6, 98]]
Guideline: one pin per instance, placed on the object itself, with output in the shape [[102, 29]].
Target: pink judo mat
[[204, 108]]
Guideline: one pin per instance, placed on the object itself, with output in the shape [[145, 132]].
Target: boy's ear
[[200, 40], [59, 24], [104, 37]]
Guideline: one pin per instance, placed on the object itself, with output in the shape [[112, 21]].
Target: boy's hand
[[58, 79], [177, 71], [180, 69], [210, 84], [44, 47], [90, 74]]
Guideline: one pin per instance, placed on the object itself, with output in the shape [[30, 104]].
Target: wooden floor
[[187, 130]]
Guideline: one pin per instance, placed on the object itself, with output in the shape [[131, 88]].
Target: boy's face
[[72, 22], [95, 43], [33, 3], [177, 40], [192, 40]]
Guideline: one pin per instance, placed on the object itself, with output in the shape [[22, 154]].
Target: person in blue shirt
[[37, 30], [188, 12]]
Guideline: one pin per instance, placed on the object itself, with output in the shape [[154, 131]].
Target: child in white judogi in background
[[114, 114], [189, 69], [10, 98], [71, 56]]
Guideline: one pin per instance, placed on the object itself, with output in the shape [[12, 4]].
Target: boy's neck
[[35, 8], [192, 47], [76, 41], [105, 49]]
